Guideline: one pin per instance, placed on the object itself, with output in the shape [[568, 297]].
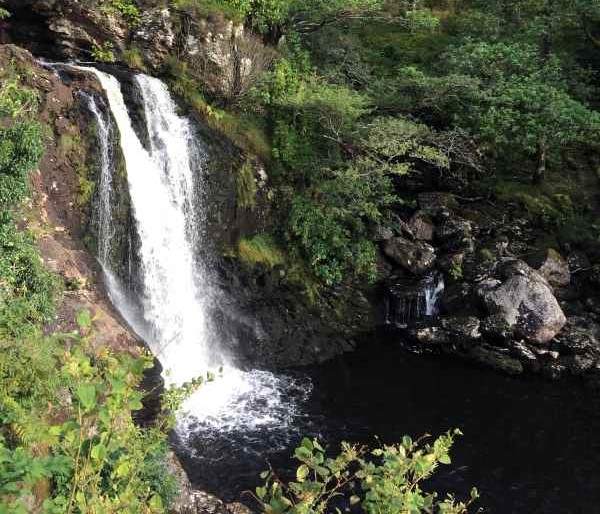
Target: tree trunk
[[540, 172]]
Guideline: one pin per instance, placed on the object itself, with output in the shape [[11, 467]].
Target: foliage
[[67, 436], [246, 186], [104, 52], [20, 150], [244, 131], [282, 15], [27, 290], [260, 249], [134, 58], [126, 8], [385, 480]]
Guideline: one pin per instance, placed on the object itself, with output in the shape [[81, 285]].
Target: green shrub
[[386, 480], [126, 8], [104, 52], [67, 435], [21, 147]]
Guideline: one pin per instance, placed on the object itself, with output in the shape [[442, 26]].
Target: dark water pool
[[530, 446]]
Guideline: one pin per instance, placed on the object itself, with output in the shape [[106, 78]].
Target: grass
[[133, 58], [246, 186], [260, 250]]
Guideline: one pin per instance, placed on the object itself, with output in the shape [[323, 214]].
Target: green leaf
[[302, 472], [86, 394], [98, 452], [84, 319], [445, 459]]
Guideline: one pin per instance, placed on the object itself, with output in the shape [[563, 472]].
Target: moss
[[260, 250], [246, 186], [86, 187], [550, 203]]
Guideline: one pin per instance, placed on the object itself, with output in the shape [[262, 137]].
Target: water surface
[[530, 445]]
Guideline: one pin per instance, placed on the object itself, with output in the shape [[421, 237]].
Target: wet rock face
[[524, 300]]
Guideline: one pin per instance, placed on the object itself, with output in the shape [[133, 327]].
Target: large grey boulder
[[524, 300], [414, 256]]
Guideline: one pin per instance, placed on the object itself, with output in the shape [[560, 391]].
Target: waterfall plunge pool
[[529, 445]]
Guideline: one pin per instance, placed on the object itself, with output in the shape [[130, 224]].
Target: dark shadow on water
[[530, 445]]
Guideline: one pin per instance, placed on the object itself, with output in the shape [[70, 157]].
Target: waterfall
[[176, 298], [433, 290], [410, 301]]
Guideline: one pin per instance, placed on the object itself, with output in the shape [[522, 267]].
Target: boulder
[[462, 328], [456, 234], [155, 35], [496, 359], [414, 256], [422, 226], [524, 300], [581, 336], [430, 336], [555, 269]]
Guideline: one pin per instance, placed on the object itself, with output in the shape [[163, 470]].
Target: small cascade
[[433, 291], [411, 301]]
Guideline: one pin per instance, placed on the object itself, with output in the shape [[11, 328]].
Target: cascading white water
[[433, 290], [176, 290]]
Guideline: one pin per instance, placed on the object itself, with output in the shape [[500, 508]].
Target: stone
[[456, 234], [522, 351], [432, 336], [581, 336], [555, 269], [382, 233], [456, 297], [524, 300], [422, 226], [578, 261], [496, 359], [463, 328], [497, 329], [155, 35], [414, 256], [579, 364]]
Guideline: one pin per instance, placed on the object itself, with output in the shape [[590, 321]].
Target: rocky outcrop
[[65, 29], [523, 299], [414, 256]]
